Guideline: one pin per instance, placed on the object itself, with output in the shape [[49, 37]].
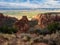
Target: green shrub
[[6, 29], [42, 31], [33, 23], [53, 27]]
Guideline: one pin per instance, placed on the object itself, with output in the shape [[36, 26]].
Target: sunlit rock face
[[22, 24], [46, 18]]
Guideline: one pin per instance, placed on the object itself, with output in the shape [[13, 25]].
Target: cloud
[[13, 0], [52, 3], [18, 5], [30, 4]]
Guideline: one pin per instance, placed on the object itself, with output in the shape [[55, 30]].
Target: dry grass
[[11, 39]]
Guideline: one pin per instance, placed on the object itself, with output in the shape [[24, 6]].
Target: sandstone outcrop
[[22, 24], [46, 18]]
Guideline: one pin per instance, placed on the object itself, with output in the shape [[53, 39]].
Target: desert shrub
[[52, 42], [33, 23], [26, 38], [6, 29], [42, 32], [38, 31], [31, 30], [53, 27], [45, 32]]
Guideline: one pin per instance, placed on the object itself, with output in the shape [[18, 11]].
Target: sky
[[29, 3]]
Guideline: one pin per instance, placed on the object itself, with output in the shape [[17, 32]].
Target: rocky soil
[[29, 39]]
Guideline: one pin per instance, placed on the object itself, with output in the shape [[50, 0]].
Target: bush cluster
[[53, 27], [6, 29]]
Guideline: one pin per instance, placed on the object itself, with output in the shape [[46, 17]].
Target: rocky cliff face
[[46, 18], [6, 20], [22, 24]]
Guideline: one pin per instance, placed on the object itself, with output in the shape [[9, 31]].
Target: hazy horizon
[[19, 13], [17, 8]]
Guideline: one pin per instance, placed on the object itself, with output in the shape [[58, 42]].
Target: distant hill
[[29, 8]]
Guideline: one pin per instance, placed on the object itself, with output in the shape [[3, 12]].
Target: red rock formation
[[1, 19], [5, 20], [46, 18], [22, 24], [1, 15]]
